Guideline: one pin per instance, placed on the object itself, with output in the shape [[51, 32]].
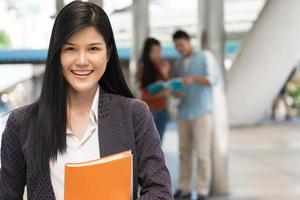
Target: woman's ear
[[108, 56], [109, 50]]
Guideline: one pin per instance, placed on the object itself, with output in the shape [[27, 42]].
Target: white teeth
[[82, 72]]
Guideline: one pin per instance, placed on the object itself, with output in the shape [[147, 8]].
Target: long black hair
[[149, 71], [48, 119]]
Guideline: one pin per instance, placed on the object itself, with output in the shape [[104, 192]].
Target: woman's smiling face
[[83, 59]]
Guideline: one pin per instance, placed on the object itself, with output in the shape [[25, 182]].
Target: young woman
[[152, 69], [85, 111]]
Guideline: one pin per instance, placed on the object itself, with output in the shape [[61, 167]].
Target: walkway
[[264, 161]]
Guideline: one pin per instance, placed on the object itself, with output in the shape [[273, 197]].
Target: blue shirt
[[196, 98]]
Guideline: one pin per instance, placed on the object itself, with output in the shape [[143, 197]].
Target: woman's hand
[[178, 95], [163, 93]]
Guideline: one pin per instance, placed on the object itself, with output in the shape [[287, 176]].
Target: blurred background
[[257, 45]]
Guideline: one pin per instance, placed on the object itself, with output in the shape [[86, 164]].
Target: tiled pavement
[[264, 161]]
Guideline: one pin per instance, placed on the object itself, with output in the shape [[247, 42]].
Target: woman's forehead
[[87, 35]]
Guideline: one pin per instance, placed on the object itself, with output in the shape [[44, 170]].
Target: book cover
[[105, 178], [174, 84]]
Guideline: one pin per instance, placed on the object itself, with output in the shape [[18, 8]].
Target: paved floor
[[264, 161]]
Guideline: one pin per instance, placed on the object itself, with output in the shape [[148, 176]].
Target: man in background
[[195, 117]]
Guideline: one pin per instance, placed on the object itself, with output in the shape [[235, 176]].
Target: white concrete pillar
[[264, 62], [140, 25], [214, 26], [98, 2], [201, 13], [59, 5], [210, 20], [140, 11]]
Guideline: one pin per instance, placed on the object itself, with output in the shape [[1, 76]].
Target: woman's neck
[[81, 102]]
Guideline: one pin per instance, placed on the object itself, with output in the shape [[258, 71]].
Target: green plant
[[294, 92], [4, 39]]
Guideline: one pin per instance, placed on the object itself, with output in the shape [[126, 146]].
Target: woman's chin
[[83, 88]]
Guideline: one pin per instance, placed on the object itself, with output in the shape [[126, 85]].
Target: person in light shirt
[[195, 125], [85, 111]]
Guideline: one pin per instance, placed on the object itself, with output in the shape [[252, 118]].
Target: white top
[[85, 149], [186, 62], [213, 73]]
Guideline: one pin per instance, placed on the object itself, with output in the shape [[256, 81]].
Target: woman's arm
[[154, 176], [12, 173], [146, 96]]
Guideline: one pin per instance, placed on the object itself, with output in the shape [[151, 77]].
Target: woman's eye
[[70, 49], [94, 49]]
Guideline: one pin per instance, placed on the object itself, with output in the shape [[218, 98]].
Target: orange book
[[107, 178]]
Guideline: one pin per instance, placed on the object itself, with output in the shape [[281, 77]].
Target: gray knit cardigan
[[124, 124]]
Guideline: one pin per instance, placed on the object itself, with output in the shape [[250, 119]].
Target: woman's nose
[[81, 59]]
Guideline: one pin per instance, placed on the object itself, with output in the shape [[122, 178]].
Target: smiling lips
[[82, 73]]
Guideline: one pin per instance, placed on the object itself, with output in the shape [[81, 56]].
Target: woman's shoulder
[[20, 114], [126, 100], [133, 104], [23, 110]]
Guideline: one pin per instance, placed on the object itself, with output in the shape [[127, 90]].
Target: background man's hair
[[180, 34]]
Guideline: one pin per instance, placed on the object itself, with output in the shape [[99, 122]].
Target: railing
[[37, 56]]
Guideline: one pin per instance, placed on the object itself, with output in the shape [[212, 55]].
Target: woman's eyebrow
[[95, 43], [90, 44], [69, 43]]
